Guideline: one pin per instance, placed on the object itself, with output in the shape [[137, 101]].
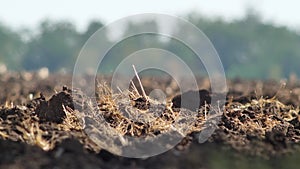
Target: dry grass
[[259, 126]]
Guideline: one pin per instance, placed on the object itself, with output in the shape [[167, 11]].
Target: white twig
[[141, 85], [134, 87], [119, 89]]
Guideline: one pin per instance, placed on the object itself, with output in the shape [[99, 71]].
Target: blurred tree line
[[248, 47]]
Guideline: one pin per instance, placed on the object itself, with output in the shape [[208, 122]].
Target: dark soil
[[40, 126]]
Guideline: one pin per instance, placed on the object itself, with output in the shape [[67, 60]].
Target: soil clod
[[52, 110], [192, 100]]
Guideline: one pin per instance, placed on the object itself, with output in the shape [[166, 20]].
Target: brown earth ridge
[[43, 121]]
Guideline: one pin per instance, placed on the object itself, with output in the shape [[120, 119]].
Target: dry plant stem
[[138, 78], [119, 89], [133, 86]]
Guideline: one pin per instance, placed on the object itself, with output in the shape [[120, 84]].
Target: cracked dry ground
[[259, 125]]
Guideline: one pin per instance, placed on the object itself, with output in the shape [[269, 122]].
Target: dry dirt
[[43, 124]]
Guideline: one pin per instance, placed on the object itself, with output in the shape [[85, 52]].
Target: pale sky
[[28, 13]]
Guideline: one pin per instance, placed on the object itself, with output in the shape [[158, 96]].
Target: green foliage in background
[[55, 46], [11, 46], [248, 47]]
